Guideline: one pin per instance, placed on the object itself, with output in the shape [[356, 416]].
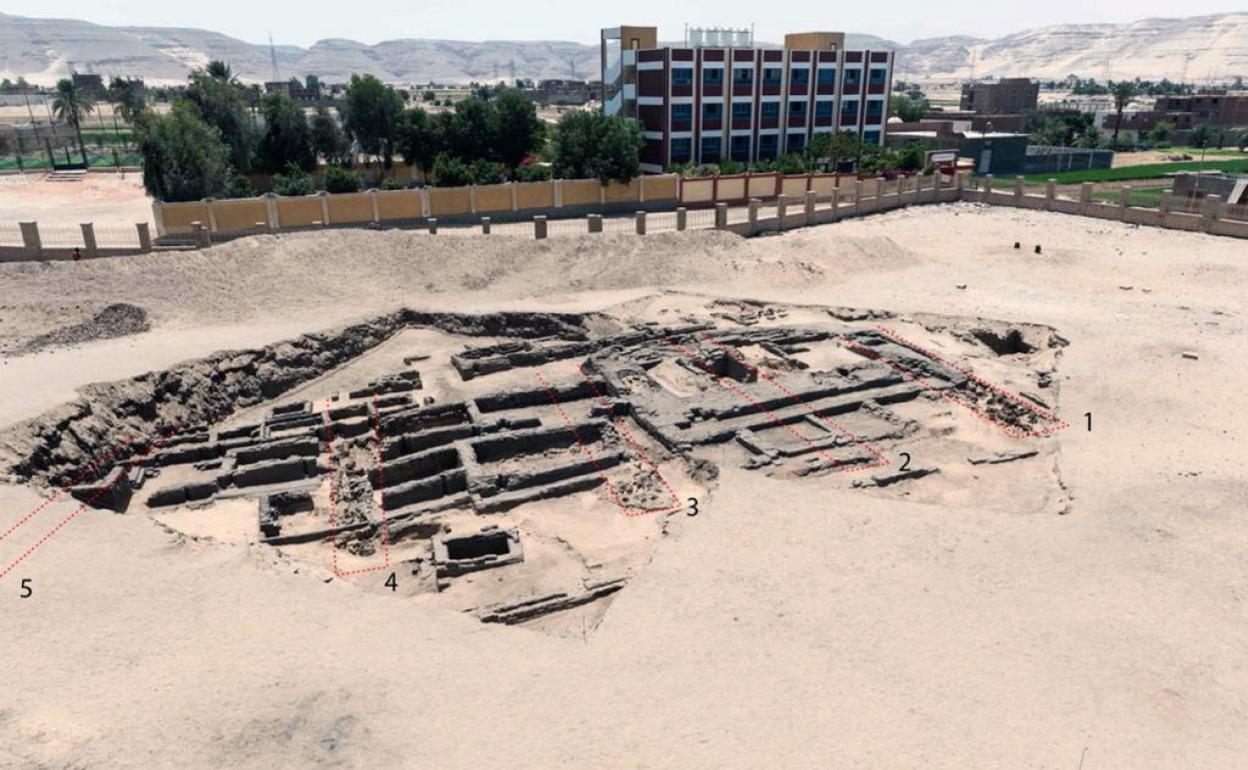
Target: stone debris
[[997, 458]]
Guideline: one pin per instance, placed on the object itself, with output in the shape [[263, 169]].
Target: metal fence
[[11, 235]]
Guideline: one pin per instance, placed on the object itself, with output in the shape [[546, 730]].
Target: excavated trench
[[518, 453]]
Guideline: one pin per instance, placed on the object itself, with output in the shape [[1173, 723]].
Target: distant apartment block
[[1006, 96], [1217, 109], [92, 84], [719, 96], [563, 92]]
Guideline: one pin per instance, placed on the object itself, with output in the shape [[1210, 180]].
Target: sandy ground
[[109, 200], [790, 625]]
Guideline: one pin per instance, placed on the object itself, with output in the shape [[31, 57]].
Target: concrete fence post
[[324, 196], [425, 209], [811, 195], [90, 249], [1050, 193], [836, 202], [752, 214], [595, 223], [539, 226], [31, 240], [203, 238], [558, 193], [372, 199], [145, 237], [433, 225], [1212, 210], [682, 218], [1085, 197], [485, 225], [1124, 199], [721, 216], [987, 187], [857, 197], [1164, 205], [472, 199], [782, 210], [211, 203], [640, 222], [1018, 188], [270, 208]]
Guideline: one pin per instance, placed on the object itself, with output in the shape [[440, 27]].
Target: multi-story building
[[718, 96], [1009, 96]]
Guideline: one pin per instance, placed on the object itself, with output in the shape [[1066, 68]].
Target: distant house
[[92, 84], [1008, 96]]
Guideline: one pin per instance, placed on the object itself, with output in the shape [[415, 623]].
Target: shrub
[[393, 183], [239, 186], [534, 172], [450, 172], [293, 182], [340, 180]]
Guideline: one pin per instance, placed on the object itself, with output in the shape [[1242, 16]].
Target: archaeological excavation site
[[517, 465]]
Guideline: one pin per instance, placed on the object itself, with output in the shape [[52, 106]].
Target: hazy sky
[[371, 21]]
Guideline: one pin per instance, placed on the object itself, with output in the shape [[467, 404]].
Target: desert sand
[[794, 623]]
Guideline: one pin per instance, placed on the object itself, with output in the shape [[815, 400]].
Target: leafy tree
[[908, 108], [487, 172], [293, 181], [287, 139], [518, 130], [222, 103], [1161, 133], [239, 186], [532, 172], [590, 144], [910, 157], [126, 96], [450, 171], [70, 105], [340, 180], [834, 146], [184, 158], [219, 70], [1123, 93], [420, 138], [372, 113], [473, 129], [328, 139], [790, 164]]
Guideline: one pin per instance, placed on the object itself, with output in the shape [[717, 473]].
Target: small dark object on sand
[[1017, 245], [1037, 248]]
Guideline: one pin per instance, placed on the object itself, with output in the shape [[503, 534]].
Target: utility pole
[[273, 58]]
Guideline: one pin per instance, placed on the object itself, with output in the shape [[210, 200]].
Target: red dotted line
[[333, 490], [585, 450], [759, 405], [1017, 399], [794, 398], [60, 492], [381, 485], [946, 394], [628, 435], [51, 533]]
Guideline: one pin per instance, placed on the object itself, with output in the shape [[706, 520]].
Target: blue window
[[742, 76], [740, 148], [769, 110], [713, 77], [712, 111], [853, 79], [797, 109], [682, 76], [740, 110], [682, 150], [871, 137], [878, 76], [771, 76], [710, 148], [823, 109], [682, 112], [849, 108], [767, 145], [827, 76], [799, 77], [796, 142], [875, 108]]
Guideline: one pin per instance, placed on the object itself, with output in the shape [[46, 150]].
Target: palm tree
[[1124, 92], [71, 104], [219, 70]]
